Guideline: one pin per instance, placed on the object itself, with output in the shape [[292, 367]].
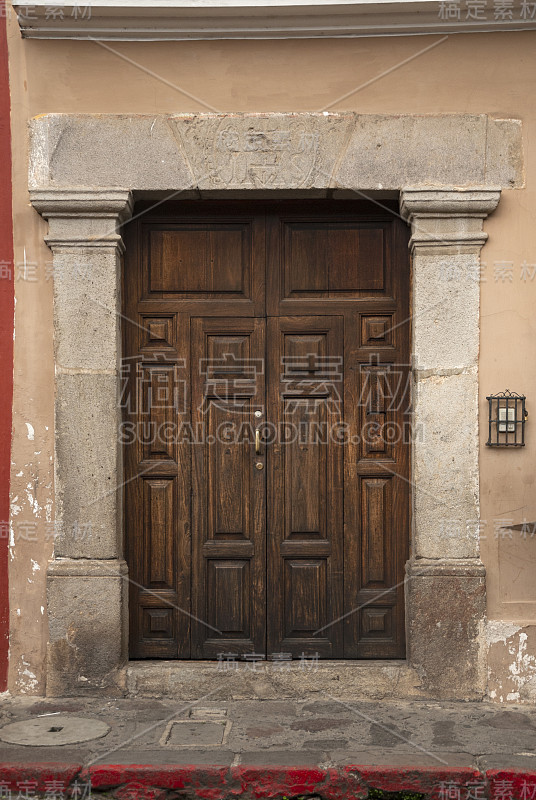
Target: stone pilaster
[[87, 578], [446, 579]]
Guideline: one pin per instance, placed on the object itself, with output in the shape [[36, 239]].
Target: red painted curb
[[208, 782], [353, 782], [520, 784], [425, 780], [276, 782], [38, 775]]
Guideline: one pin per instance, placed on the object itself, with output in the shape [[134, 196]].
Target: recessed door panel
[[327, 259], [200, 258]]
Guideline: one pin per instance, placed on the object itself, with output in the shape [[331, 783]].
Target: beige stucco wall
[[492, 74]]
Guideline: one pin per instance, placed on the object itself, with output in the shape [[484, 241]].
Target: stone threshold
[[268, 680]]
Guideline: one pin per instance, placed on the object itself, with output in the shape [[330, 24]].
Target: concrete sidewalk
[[325, 733]]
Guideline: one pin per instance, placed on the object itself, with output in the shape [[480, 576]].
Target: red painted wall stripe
[[7, 276]]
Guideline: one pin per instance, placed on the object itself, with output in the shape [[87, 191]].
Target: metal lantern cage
[[507, 416]]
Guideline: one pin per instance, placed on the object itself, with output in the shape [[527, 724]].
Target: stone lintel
[[307, 151]]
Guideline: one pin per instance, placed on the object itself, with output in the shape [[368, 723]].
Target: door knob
[[257, 442]]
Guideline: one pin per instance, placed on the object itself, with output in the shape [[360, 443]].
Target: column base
[[87, 615], [446, 608]]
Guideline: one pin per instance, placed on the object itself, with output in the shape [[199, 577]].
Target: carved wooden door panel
[[266, 430], [228, 492], [305, 469]]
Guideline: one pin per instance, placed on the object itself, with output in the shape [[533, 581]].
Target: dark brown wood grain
[[305, 555], [228, 493]]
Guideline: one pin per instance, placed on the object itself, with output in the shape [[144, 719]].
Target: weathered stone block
[[445, 467], [86, 330], [446, 293], [87, 610], [446, 605], [415, 150], [88, 466], [139, 151], [504, 153]]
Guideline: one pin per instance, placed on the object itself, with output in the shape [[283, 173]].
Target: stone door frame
[[76, 167]]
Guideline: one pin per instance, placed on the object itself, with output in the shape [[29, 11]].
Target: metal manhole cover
[[51, 731]]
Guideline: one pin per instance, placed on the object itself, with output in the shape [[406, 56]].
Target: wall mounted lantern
[[507, 416]]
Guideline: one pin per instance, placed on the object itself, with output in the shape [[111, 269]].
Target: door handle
[[257, 442]]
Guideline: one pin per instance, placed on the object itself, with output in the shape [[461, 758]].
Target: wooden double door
[[266, 430]]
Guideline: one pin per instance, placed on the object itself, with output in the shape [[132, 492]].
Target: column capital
[[447, 220], [83, 216]]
